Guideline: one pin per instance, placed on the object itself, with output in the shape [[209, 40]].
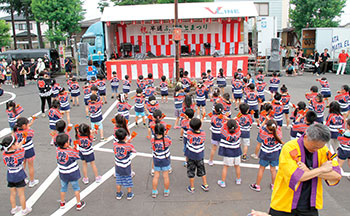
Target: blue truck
[[95, 38]]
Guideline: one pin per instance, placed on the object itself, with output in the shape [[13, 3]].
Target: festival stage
[[165, 66]]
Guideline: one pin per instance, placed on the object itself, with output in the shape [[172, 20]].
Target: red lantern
[[134, 22], [152, 21], [209, 20], [229, 19], [246, 19], [142, 22], [180, 21], [219, 20], [108, 23], [170, 21], [191, 20], [203, 20], [121, 22], [161, 21]]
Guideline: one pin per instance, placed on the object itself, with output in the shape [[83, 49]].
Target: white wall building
[[272, 8], [21, 31]]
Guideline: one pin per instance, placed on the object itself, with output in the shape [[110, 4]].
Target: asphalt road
[[100, 198]]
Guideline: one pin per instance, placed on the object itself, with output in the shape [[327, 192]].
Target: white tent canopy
[[186, 11]]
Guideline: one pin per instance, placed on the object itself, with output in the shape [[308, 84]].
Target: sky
[[92, 11]]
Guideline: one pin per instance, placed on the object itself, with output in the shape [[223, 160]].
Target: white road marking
[[110, 109], [94, 185], [40, 191], [7, 131], [48, 181], [13, 96], [84, 193]]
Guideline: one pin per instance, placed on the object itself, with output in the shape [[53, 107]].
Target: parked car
[[50, 55]]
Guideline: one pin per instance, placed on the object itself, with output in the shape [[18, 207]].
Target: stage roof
[[186, 11]]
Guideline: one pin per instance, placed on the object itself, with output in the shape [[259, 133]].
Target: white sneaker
[[15, 210], [221, 183], [33, 183], [210, 163], [26, 211], [133, 174], [26, 181], [238, 181], [43, 115], [98, 179], [85, 180], [254, 156], [152, 172]]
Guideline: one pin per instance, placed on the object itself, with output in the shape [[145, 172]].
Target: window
[[89, 40], [23, 26], [262, 8]]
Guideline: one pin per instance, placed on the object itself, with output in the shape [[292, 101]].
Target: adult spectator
[[342, 59], [91, 71], [284, 55], [303, 163], [302, 60], [40, 66], [290, 70], [44, 85], [324, 61], [21, 73], [31, 70], [4, 63], [316, 58], [14, 74], [68, 65]]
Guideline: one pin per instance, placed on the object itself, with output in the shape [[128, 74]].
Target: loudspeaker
[[136, 48], [185, 49], [150, 54], [126, 47], [207, 45], [83, 53], [275, 44]]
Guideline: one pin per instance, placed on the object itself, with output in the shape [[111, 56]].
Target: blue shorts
[[201, 103], [87, 158], [102, 93], [286, 111], [125, 181], [237, 96], [67, 108], [326, 94], [262, 98], [114, 89], [266, 163], [273, 89], [280, 123], [164, 93], [222, 85], [75, 94], [126, 91], [162, 169], [343, 155], [29, 153], [64, 186], [142, 114], [99, 124], [86, 101], [320, 120], [178, 113]]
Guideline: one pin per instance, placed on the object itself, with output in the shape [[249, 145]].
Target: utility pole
[[177, 41]]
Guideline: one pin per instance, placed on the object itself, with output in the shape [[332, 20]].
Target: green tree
[[10, 7], [5, 37], [62, 17], [315, 13], [102, 4]]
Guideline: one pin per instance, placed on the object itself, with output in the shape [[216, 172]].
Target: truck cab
[[94, 37]]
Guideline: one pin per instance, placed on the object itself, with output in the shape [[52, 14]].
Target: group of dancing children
[[230, 135]]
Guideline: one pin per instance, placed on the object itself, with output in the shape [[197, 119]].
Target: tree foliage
[[5, 37], [315, 13], [102, 4], [62, 17]]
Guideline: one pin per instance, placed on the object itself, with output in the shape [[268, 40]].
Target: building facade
[[21, 32]]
